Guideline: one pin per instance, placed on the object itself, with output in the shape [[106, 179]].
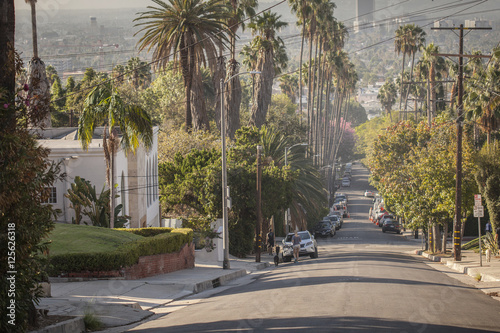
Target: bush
[[147, 232], [126, 255]]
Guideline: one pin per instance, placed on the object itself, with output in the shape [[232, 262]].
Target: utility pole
[[258, 225], [457, 223]]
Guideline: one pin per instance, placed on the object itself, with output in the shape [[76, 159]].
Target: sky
[[55, 5]]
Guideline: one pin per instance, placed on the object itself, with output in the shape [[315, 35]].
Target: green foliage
[[282, 114], [367, 133], [147, 232], [25, 175], [91, 321], [126, 255], [488, 180], [356, 114], [85, 201], [413, 167]]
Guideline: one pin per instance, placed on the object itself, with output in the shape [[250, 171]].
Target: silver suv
[[308, 246]]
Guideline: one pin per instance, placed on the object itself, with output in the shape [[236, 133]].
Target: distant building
[[94, 30], [136, 174], [364, 14], [61, 65]]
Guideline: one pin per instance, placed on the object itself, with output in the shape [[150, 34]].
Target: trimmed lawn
[[73, 238]]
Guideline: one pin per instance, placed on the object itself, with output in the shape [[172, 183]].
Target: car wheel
[[287, 259], [315, 254], [383, 230], [399, 232]]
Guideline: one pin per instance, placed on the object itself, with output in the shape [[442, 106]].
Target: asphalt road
[[363, 281]]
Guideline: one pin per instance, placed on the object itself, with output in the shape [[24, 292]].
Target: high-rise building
[[364, 13], [93, 25], [364, 10]]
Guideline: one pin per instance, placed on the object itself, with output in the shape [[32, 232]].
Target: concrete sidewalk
[[122, 302], [470, 264]]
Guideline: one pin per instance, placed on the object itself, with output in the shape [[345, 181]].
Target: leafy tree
[[357, 114], [25, 219], [283, 115], [488, 180]]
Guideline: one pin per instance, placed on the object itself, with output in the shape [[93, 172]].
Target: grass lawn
[[73, 238]]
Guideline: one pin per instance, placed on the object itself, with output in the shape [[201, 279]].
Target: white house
[[136, 175]]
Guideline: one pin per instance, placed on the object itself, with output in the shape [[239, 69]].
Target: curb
[[470, 269], [214, 283], [75, 325]]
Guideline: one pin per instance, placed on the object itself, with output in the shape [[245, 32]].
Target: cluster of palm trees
[[196, 33]]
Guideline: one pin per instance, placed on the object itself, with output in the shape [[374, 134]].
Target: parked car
[[339, 215], [341, 196], [346, 182], [324, 228], [384, 217], [308, 246], [334, 219], [369, 193], [340, 208], [391, 225]]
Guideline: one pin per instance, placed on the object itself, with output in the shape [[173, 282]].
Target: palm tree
[[104, 105], [434, 64], [402, 45], [387, 96], [240, 9], [289, 85], [138, 72], [482, 99], [416, 42], [39, 85], [269, 45], [308, 191], [187, 31]]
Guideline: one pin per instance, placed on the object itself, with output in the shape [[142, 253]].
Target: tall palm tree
[[289, 86], [434, 64], [269, 45], [401, 45], [240, 9], [39, 85], [482, 99], [104, 106], [416, 42], [187, 31]]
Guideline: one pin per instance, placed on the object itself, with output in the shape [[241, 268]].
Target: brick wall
[[148, 266], [161, 263]]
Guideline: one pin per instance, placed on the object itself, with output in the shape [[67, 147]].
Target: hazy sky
[[54, 5]]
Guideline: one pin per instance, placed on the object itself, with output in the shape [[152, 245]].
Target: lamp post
[[225, 227], [287, 211]]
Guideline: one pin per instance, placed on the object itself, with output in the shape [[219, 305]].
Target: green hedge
[[147, 232], [126, 255]]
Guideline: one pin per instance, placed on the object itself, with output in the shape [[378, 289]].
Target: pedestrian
[[497, 232], [488, 228], [296, 245], [270, 242]]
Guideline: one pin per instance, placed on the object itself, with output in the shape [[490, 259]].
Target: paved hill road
[[363, 281]]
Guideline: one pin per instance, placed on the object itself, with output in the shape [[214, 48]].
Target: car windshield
[[303, 235], [324, 224], [332, 217]]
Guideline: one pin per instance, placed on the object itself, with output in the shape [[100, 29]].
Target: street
[[363, 281]]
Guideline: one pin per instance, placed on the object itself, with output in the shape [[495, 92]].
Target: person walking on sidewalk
[[296, 245], [488, 228], [270, 242]]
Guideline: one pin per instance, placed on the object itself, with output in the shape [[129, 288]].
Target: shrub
[[147, 232], [126, 255]]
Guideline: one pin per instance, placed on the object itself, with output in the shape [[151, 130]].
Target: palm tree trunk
[[309, 94], [187, 76], [198, 108], [7, 58], [263, 88], [232, 100], [401, 85], [409, 84], [300, 70], [33, 30]]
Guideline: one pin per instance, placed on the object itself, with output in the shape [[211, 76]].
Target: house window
[[51, 195]]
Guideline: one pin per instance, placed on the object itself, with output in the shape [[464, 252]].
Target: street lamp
[[287, 211], [225, 227]]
